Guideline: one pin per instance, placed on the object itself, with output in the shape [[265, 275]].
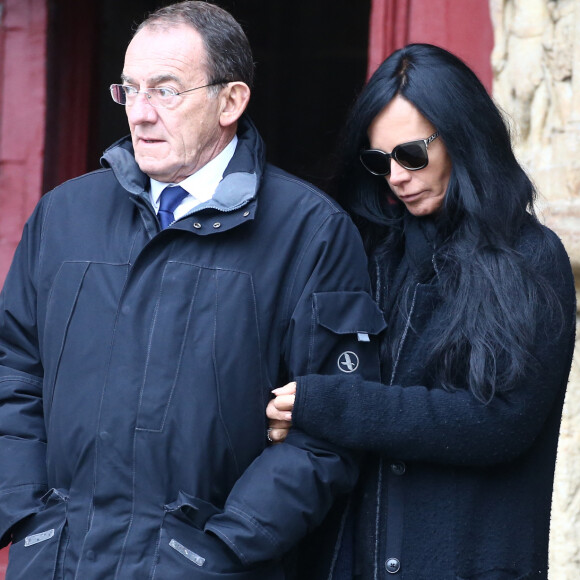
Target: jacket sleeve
[[22, 433], [416, 423], [290, 487]]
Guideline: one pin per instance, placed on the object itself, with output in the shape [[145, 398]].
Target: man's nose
[[140, 110]]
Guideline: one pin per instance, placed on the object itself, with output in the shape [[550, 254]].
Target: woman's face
[[422, 191]]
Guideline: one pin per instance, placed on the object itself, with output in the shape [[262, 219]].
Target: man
[[140, 338]]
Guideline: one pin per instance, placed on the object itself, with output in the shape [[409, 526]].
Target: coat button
[[398, 467], [393, 565], [197, 225], [217, 225]]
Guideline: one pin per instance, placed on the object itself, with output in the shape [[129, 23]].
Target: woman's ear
[[236, 96]]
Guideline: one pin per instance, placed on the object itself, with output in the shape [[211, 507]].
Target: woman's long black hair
[[490, 294]]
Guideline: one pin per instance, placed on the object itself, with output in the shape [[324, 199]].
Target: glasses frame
[[423, 143], [148, 95]]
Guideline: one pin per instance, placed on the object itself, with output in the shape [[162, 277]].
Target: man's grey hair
[[228, 52]]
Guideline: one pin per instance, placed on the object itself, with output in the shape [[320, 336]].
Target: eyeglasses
[[162, 97], [411, 156]]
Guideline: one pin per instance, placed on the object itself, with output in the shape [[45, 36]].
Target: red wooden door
[[463, 28], [22, 114], [3, 562]]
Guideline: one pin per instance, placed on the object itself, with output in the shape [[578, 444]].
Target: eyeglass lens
[[411, 156], [119, 95], [157, 97]]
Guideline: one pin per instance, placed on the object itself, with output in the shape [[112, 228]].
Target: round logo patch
[[348, 362]]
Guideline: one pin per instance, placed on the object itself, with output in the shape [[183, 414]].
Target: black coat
[[453, 489], [136, 364]]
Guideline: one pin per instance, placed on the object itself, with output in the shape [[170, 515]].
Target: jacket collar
[[238, 187]]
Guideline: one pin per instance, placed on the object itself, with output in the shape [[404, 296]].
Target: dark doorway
[[310, 62]]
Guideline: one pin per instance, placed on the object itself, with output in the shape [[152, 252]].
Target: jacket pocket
[[38, 542], [74, 365], [200, 342], [186, 551], [344, 335]]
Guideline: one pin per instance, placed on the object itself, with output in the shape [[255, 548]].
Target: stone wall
[[536, 65]]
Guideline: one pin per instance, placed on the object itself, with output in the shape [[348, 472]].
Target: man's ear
[[235, 97]]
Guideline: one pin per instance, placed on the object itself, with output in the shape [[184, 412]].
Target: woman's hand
[[279, 411]]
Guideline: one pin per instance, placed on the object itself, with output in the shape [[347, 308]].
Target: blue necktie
[[170, 198]]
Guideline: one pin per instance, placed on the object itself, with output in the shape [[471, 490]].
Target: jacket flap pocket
[[348, 312], [192, 509]]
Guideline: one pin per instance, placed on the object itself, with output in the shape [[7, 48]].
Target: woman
[[461, 435]]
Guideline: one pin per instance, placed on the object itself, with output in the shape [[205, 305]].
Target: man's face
[[172, 144]]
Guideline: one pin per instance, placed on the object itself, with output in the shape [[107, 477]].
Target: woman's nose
[[398, 173]]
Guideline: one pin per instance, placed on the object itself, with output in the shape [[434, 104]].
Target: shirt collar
[[203, 183]]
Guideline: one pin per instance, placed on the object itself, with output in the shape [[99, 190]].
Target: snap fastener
[[197, 225], [217, 225], [393, 565], [246, 213], [398, 468]]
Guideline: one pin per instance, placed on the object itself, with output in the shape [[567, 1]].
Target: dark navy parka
[[136, 365]]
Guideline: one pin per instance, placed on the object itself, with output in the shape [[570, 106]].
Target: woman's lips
[[410, 197]]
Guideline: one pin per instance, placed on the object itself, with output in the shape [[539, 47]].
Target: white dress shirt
[[200, 186]]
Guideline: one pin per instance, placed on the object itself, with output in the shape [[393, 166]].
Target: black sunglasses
[[411, 156]]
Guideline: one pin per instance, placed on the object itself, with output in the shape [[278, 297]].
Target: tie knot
[[169, 200], [171, 197]]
